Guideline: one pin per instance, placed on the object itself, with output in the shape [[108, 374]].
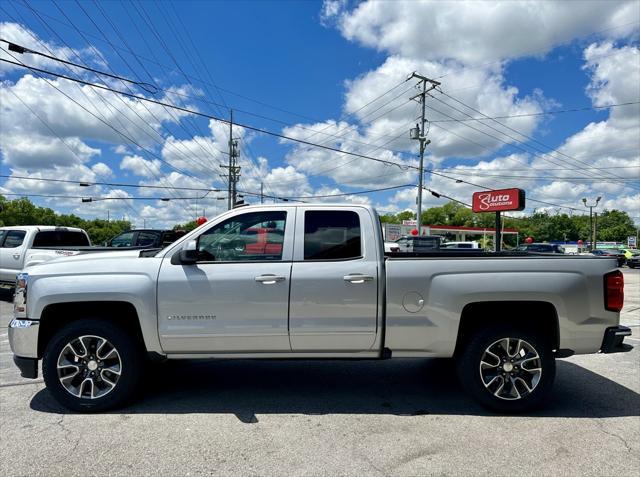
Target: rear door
[[236, 298], [334, 281]]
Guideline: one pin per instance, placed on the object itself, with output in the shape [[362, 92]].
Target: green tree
[[614, 226], [23, 212]]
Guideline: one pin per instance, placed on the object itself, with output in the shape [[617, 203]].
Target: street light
[[591, 229]]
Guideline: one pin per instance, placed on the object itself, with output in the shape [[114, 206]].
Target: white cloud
[[469, 139], [23, 36], [475, 32], [35, 151], [102, 170], [141, 167], [615, 77]]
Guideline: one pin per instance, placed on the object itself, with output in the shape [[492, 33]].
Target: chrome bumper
[[23, 337]]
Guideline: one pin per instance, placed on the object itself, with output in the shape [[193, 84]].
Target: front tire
[[507, 370], [92, 365]]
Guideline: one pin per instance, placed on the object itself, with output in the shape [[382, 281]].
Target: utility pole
[[233, 167], [592, 234], [262, 192], [418, 133]]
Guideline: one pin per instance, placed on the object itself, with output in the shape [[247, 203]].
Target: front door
[[236, 298]]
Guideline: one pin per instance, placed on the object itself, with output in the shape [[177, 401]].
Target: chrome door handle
[[269, 279], [357, 278], [16, 256]]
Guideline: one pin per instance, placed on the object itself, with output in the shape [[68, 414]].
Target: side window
[[122, 240], [332, 235], [14, 238], [2, 235], [146, 239], [247, 237]]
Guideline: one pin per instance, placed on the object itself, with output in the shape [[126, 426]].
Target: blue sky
[[310, 67]]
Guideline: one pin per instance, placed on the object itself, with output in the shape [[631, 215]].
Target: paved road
[[328, 418]]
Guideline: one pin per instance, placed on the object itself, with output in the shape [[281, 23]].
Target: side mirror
[[187, 256]]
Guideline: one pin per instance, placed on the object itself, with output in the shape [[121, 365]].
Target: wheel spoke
[[99, 347], [489, 365], [115, 369], [524, 383], [106, 379], [70, 376], [110, 353]]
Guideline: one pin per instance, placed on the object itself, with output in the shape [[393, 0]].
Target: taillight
[[614, 291]]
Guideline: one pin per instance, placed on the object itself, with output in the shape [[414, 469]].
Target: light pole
[[592, 232]]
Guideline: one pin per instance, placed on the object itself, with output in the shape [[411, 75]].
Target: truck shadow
[[403, 388]]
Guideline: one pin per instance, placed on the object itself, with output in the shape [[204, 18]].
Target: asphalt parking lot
[[330, 418]]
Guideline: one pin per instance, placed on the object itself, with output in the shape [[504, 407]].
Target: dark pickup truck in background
[[150, 238]]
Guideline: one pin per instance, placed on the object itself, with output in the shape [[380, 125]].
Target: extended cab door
[[334, 280], [236, 297], [12, 249]]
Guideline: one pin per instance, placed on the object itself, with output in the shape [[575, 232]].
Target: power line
[[129, 139], [117, 184], [22, 49], [197, 113], [514, 130], [343, 194], [264, 131], [183, 155], [543, 113], [104, 101], [468, 172], [517, 141], [135, 212]]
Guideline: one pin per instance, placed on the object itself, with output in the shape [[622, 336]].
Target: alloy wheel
[[89, 367], [510, 368]]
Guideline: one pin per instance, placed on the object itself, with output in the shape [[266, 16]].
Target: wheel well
[[537, 316], [57, 315]]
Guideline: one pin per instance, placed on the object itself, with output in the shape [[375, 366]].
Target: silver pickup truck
[[311, 281]]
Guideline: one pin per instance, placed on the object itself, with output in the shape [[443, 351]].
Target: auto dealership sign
[[498, 200]]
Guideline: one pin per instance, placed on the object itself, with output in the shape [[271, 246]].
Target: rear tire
[[92, 365], [507, 369]]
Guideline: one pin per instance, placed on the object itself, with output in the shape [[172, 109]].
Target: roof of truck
[[42, 228]]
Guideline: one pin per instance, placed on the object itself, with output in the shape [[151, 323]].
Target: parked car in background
[[23, 246], [541, 248], [419, 243], [610, 252], [458, 245], [630, 252], [391, 247], [145, 238], [634, 261]]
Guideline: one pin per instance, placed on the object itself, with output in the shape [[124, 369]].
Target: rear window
[[147, 239], [332, 235], [60, 238]]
